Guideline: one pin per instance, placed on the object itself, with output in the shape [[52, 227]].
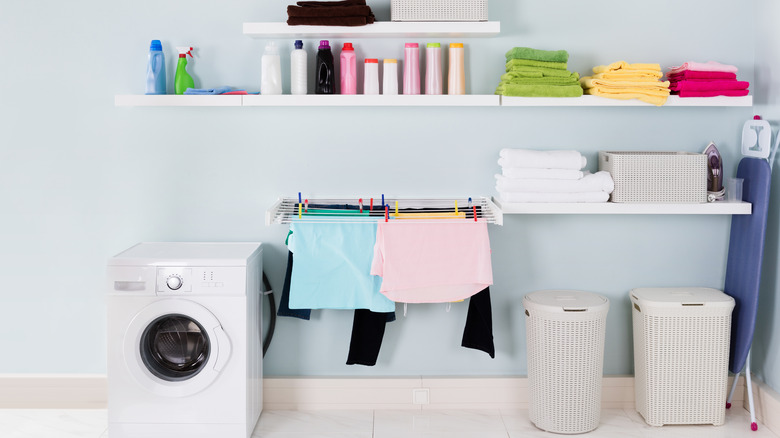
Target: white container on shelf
[[371, 76], [456, 76], [390, 77], [271, 71], [298, 70], [433, 73]]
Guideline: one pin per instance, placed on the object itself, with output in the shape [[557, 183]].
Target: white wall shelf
[[589, 100], [371, 100], [176, 100], [615, 208], [379, 29]]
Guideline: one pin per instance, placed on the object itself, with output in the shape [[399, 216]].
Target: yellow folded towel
[[657, 98], [623, 65], [631, 75], [590, 82]]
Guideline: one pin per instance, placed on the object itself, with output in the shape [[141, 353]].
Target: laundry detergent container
[[565, 336], [681, 354]]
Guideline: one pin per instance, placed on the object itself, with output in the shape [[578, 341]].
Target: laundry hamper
[[681, 353], [565, 336]]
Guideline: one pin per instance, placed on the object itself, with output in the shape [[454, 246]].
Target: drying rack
[[287, 210]]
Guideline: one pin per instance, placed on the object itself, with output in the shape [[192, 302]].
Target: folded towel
[[630, 75], [203, 91], [554, 197], [531, 173], [654, 97], [538, 90], [591, 182], [553, 72], [330, 21], [533, 63], [708, 86], [537, 55], [590, 82], [623, 65], [689, 75], [518, 78], [343, 11], [704, 66], [731, 93], [562, 159], [239, 92], [330, 4]]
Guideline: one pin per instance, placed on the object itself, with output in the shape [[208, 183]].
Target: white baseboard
[[52, 391]]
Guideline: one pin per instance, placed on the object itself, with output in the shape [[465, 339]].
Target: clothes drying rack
[[288, 210]]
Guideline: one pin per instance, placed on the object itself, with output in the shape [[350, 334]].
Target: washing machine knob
[[173, 282]]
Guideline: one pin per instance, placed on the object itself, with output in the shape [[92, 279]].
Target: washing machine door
[[175, 347]]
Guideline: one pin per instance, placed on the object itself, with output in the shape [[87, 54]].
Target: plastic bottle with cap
[[433, 73], [298, 69], [348, 66], [271, 70], [756, 138], [412, 68], [183, 80], [324, 72], [456, 77], [371, 76], [390, 77], [155, 69]]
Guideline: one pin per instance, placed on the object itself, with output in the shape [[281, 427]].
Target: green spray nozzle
[[184, 51]]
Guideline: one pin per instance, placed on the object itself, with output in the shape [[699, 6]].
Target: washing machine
[[184, 340]]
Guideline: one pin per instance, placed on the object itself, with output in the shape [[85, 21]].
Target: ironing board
[[746, 251]]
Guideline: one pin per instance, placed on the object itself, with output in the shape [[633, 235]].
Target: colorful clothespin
[[299, 197], [475, 213], [306, 205], [396, 208], [371, 206], [387, 212], [456, 207], [300, 207], [360, 203], [383, 199], [469, 202]]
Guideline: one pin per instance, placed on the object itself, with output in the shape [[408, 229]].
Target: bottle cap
[[348, 46], [372, 61], [298, 44], [391, 61], [456, 46], [411, 45], [434, 44], [324, 44], [271, 49], [756, 117], [156, 45]]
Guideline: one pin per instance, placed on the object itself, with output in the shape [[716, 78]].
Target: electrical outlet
[[420, 396]]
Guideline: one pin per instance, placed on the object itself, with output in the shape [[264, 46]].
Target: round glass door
[[175, 347]]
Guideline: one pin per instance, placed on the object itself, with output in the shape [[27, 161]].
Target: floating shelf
[[380, 29], [615, 208], [371, 100], [176, 100], [589, 100]]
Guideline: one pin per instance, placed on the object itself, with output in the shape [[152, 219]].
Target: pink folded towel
[[694, 75], [732, 93], [708, 86], [703, 66]]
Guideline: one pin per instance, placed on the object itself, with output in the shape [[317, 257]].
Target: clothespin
[[456, 207], [371, 206], [306, 205], [475, 213], [300, 207], [360, 203], [383, 199], [387, 212], [299, 198], [396, 209], [469, 202]]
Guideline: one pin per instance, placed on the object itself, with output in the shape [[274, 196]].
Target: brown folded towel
[[330, 21], [343, 11], [319, 4]]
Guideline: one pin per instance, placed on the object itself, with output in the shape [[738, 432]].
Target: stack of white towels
[[549, 176]]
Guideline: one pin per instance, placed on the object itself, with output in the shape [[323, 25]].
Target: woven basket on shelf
[[439, 10]]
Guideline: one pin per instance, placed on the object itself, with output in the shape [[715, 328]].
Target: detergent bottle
[[324, 72], [183, 79], [271, 79], [155, 69]]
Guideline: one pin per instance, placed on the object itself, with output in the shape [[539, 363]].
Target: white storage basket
[[565, 336], [681, 353], [439, 10], [662, 177]]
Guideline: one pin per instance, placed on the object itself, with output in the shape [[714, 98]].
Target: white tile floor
[[615, 423]]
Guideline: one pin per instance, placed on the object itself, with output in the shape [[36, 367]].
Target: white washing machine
[[184, 342]]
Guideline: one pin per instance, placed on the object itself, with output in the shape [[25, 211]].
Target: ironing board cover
[[746, 251]]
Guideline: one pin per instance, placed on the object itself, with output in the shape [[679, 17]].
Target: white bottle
[[371, 76], [271, 79], [433, 69], [390, 76], [456, 78], [298, 69]]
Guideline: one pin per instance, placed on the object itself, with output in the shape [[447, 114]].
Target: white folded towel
[[531, 173], [542, 159], [553, 197], [591, 182]]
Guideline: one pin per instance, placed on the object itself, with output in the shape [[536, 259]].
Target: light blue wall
[[81, 179], [766, 345]]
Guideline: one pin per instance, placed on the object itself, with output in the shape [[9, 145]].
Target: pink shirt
[[432, 262]]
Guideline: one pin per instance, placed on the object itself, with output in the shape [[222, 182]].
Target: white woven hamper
[[565, 335], [438, 10], [681, 353]]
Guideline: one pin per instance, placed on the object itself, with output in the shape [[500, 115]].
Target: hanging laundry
[[706, 79], [538, 73], [621, 80]]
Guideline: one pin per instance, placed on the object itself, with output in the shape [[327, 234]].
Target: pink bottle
[[412, 68], [348, 70]]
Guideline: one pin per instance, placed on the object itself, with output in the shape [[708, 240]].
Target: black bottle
[[325, 74]]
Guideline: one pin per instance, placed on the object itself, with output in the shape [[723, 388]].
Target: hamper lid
[[677, 296], [566, 301]]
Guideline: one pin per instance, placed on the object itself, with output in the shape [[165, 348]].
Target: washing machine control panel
[[200, 281]]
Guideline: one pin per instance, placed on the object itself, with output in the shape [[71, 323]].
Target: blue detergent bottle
[[155, 69]]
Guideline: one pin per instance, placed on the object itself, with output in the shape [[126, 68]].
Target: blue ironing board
[[746, 251]]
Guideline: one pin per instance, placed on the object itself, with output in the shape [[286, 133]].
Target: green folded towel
[[553, 72], [510, 78], [507, 89], [533, 63], [537, 55]]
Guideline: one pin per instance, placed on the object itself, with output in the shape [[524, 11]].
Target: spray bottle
[[183, 79]]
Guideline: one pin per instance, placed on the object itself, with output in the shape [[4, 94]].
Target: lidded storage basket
[[681, 354], [565, 333], [661, 177], [439, 10]]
